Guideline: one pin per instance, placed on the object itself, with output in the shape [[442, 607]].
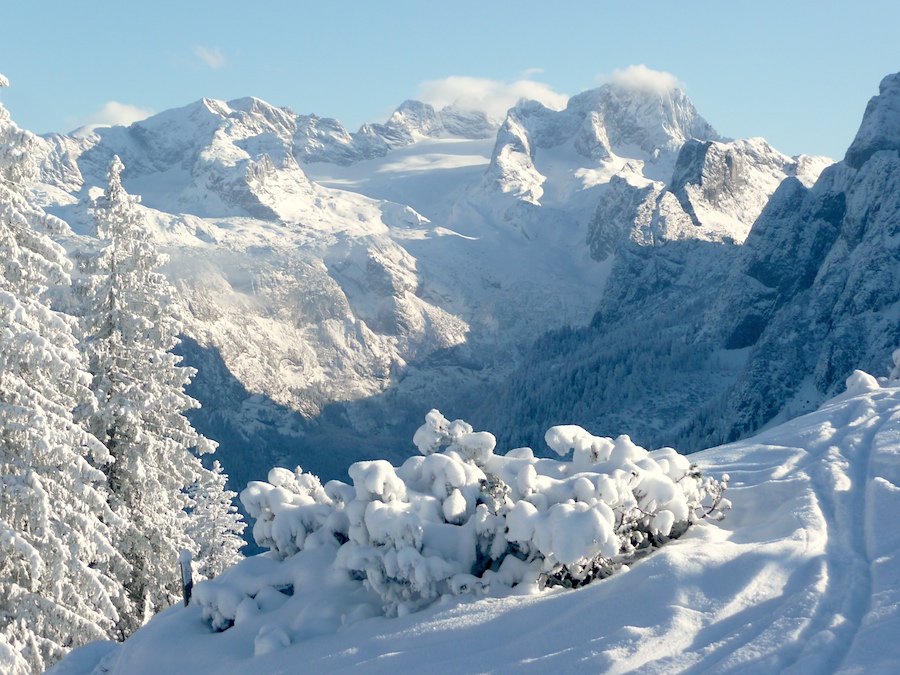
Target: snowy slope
[[800, 577]]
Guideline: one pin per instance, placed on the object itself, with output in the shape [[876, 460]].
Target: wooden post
[[187, 579]]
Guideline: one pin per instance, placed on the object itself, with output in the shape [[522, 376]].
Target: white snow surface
[[802, 576]]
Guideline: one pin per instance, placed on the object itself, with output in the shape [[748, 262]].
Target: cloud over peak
[[113, 113], [643, 78], [494, 97]]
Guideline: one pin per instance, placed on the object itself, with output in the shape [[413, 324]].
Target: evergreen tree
[[58, 569], [214, 522], [158, 482]]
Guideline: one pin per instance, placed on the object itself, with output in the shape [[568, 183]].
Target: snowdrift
[[802, 576]]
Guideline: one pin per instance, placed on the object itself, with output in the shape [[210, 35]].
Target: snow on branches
[[157, 482], [460, 519], [58, 566]]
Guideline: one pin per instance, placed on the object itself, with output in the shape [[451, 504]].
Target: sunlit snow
[[801, 576]]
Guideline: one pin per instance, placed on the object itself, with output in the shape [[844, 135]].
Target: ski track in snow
[[847, 568]]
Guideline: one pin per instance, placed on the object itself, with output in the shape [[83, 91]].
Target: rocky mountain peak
[[417, 116], [880, 128], [649, 118], [616, 128]]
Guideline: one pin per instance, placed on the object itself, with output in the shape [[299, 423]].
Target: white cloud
[[214, 58], [113, 113], [490, 96], [644, 78]]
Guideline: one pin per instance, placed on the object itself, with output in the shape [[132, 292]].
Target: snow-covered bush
[[459, 518], [895, 372]]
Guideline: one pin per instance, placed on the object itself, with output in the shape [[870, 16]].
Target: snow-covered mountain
[[698, 341], [801, 576], [301, 295], [815, 292], [339, 284]]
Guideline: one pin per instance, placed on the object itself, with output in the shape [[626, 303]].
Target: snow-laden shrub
[[895, 373], [459, 518]]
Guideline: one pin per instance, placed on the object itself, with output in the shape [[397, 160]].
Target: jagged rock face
[[812, 293], [211, 158], [723, 187], [467, 123], [825, 297], [592, 141], [319, 139], [415, 116], [880, 129], [647, 126], [716, 192], [564, 159], [512, 167], [654, 121], [622, 208]]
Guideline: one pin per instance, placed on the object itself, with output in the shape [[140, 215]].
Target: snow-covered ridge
[[170, 135], [702, 186], [649, 126], [880, 128], [717, 191]]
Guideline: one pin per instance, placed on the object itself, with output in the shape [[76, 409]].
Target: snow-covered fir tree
[[58, 568], [215, 522], [158, 483]]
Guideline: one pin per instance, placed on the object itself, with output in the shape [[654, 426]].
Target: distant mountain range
[[617, 261]]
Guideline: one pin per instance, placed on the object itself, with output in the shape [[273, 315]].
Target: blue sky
[[798, 73]]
